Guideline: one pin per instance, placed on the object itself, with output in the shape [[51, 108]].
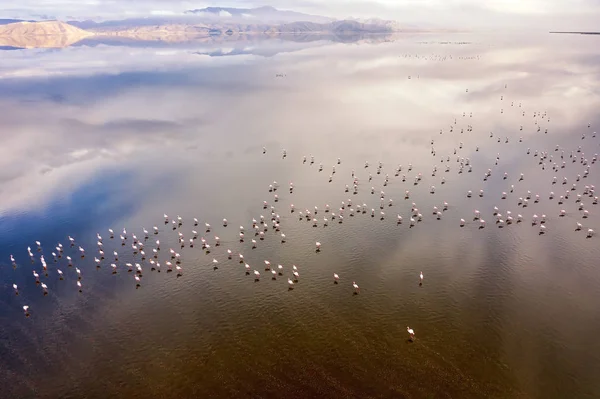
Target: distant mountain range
[[263, 14], [192, 24], [579, 33]]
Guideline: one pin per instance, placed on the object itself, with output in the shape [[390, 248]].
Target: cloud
[[163, 12]]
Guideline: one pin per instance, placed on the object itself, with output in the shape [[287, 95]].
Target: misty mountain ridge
[[262, 14], [225, 16]]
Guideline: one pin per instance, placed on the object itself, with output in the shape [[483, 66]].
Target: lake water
[[113, 135]]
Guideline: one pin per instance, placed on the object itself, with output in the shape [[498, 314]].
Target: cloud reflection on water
[[83, 108], [141, 123]]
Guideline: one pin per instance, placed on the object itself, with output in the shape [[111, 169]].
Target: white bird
[[335, 278], [26, 310], [421, 278], [411, 333], [356, 287], [256, 275]]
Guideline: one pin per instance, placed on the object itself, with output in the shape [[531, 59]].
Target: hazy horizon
[[580, 15]]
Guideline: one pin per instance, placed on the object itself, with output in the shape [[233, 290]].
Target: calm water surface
[[106, 135]]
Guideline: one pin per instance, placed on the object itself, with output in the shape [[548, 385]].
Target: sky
[[546, 14]]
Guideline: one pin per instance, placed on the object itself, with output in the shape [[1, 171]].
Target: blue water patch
[[96, 203]]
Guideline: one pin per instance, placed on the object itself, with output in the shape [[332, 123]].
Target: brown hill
[[40, 34]]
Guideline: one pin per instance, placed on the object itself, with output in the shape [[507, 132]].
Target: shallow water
[[110, 136]]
